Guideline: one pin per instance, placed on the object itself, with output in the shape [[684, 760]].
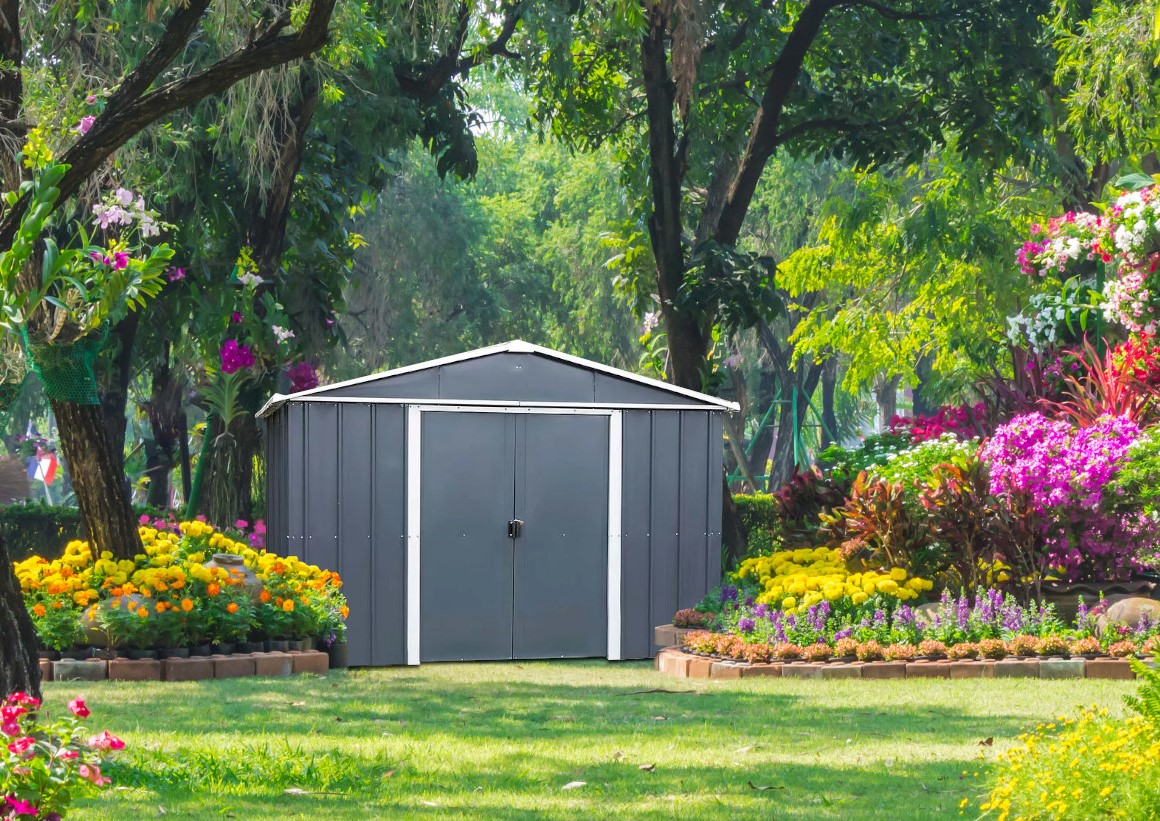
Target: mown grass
[[503, 740]]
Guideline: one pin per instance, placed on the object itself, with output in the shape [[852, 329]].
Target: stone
[[809, 669], [1105, 668], [835, 671], [726, 669], [77, 670], [274, 664], [972, 669], [45, 670], [191, 669], [1061, 668], [1128, 609], [700, 667], [236, 666], [311, 662], [763, 670], [1017, 668], [884, 669], [135, 670], [928, 669]]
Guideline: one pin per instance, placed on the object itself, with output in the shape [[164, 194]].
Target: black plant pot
[[338, 655], [277, 646], [76, 653], [200, 650], [107, 654], [223, 649], [303, 645], [174, 653], [139, 654], [49, 655], [250, 647]]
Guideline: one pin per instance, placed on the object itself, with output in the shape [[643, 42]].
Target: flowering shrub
[[692, 618], [846, 463], [1064, 471], [962, 421], [1066, 246], [914, 466], [167, 597], [795, 580], [45, 765]]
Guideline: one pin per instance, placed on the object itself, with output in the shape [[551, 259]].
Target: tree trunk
[[166, 420], [19, 665], [97, 479], [829, 388], [186, 466], [230, 474], [115, 387], [919, 404], [886, 394]]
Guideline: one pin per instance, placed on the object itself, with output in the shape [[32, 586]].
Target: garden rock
[[1129, 609], [78, 670]]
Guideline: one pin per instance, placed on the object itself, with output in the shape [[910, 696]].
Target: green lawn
[[503, 740]]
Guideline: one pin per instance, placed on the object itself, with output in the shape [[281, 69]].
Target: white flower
[[282, 333], [250, 278]]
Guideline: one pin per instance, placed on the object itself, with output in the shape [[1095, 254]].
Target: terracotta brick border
[[677, 662], [198, 668]]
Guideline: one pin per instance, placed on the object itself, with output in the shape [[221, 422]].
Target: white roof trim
[[515, 346]]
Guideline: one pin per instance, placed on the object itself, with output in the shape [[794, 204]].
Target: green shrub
[[843, 464], [916, 464], [37, 529], [758, 511]]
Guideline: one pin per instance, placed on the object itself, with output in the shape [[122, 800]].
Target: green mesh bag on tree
[[68, 372]]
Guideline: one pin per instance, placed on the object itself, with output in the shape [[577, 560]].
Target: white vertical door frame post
[[414, 506], [414, 488], [615, 479]]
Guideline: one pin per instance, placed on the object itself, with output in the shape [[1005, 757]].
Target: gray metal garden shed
[[510, 502]]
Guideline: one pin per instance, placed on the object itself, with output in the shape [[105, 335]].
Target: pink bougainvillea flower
[[85, 124], [302, 377], [20, 746], [78, 708], [106, 741], [236, 318], [18, 807]]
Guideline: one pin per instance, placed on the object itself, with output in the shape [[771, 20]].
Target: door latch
[[515, 526]]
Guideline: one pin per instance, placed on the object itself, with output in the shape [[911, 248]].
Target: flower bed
[[194, 590]]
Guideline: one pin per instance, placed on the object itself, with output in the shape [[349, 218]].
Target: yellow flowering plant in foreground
[[1089, 766], [166, 596], [795, 580]]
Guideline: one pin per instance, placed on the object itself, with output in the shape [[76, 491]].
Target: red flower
[[78, 708]]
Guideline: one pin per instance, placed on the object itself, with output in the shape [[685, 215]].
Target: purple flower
[[177, 274], [303, 377], [236, 357], [746, 625], [728, 592]]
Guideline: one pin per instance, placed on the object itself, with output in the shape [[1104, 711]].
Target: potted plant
[[57, 627]]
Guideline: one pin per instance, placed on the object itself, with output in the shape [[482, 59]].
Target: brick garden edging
[[197, 668], [677, 662]]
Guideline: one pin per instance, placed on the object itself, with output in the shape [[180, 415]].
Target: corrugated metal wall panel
[[387, 566], [516, 376], [693, 525], [614, 390], [416, 385], [322, 471], [295, 529], [636, 516], [275, 476], [716, 498], [355, 512], [665, 506]]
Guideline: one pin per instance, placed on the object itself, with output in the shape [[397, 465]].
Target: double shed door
[[513, 536]]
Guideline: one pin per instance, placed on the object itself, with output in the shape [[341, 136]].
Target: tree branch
[[126, 115], [888, 12], [171, 43]]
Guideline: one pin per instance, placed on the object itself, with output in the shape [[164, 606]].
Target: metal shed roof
[[514, 347]]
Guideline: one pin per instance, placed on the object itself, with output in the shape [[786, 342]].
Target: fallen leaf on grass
[[746, 749], [388, 774], [618, 755], [648, 768], [572, 785], [660, 718], [762, 787], [987, 742], [428, 803], [565, 719], [297, 703]]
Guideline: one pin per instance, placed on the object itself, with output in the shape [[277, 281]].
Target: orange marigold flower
[[288, 605], [142, 612], [186, 605], [213, 588], [264, 596], [344, 610], [117, 591], [57, 605], [232, 607], [39, 610]]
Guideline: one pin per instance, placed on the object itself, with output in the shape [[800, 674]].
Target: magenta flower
[[19, 807], [120, 260], [85, 124], [93, 773], [20, 746], [78, 708], [91, 99], [235, 357], [235, 318], [177, 274], [302, 377]]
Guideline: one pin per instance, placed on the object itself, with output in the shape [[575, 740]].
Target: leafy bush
[[844, 464], [914, 467], [1137, 483], [36, 529], [877, 526], [46, 765]]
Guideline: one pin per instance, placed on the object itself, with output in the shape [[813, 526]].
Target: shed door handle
[[514, 528]]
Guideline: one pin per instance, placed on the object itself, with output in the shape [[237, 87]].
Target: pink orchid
[[85, 124], [120, 260]]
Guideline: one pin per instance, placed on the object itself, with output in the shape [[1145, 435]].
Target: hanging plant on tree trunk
[[105, 271]]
